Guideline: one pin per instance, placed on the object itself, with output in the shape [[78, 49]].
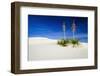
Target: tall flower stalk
[[64, 30], [73, 28]]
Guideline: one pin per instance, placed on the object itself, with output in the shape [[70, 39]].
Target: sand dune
[[41, 40], [48, 49]]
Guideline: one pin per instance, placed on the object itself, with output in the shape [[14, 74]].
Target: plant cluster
[[65, 42]]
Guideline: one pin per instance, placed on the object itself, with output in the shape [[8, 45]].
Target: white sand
[[48, 49]]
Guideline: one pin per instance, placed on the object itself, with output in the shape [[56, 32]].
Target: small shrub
[[63, 42], [74, 42]]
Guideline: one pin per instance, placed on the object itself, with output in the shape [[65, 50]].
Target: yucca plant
[[74, 42], [63, 42]]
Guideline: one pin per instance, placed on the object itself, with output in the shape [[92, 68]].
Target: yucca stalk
[[64, 30], [73, 29]]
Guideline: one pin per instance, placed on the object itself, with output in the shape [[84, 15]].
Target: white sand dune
[[48, 49], [41, 40]]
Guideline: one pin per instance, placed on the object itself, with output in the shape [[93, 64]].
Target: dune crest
[[41, 40]]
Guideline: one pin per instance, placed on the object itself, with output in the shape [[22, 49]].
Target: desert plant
[[63, 42], [74, 42]]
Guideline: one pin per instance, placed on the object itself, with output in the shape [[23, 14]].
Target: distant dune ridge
[[41, 40], [41, 48]]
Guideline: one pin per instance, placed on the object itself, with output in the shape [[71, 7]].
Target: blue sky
[[51, 27]]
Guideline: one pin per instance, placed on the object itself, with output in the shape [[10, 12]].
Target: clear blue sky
[[51, 27]]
